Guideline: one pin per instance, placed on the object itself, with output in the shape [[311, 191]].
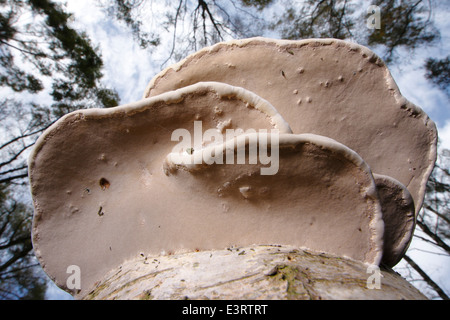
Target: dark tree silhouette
[[45, 54]]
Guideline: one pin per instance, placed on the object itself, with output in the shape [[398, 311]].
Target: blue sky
[[128, 69]]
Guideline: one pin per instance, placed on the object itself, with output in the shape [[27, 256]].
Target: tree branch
[[25, 136], [426, 278], [16, 155], [36, 54], [440, 215], [7, 294], [13, 170], [14, 242], [205, 8], [18, 255], [9, 179], [432, 235], [13, 271], [174, 33]]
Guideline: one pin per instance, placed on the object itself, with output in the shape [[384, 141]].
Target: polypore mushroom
[[153, 177], [99, 190], [107, 185], [327, 87], [322, 197], [397, 206]]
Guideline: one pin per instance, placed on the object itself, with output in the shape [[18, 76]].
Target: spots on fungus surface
[[104, 184]]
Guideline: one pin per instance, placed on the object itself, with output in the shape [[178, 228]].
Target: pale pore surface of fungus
[[306, 203], [102, 195], [98, 185], [399, 218], [327, 87]]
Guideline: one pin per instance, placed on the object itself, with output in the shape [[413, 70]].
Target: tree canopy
[[40, 54]]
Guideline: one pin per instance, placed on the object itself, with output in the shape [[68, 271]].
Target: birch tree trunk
[[249, 273]]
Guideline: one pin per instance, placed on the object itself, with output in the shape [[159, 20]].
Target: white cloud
[[127, 67], [444, 136], [434, 261]]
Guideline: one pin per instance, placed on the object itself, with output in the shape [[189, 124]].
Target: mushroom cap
[[328, 87], [97, 180], [397, 206], [102, 194], [323, 196]]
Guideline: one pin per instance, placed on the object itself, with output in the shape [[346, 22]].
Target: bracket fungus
[[305, 203], [99, 190], [397, 206], [154, 176], [328, 87]]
